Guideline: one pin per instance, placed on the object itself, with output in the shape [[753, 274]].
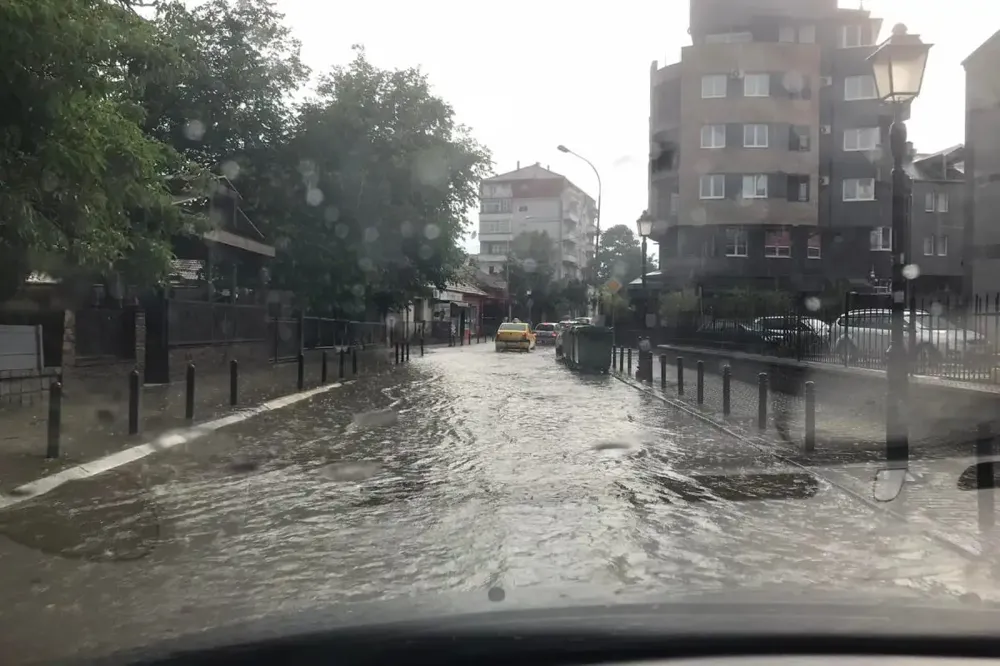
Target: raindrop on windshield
[[314, 196], [230, 169], [432, 231], [911, 271], [371, 234], [194, 130]]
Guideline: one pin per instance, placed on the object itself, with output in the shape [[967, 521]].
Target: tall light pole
[[645, 226], [898, 67], [597, 222]]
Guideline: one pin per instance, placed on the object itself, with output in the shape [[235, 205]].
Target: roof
[[464, 288], [991, 42], [939, 166], [530, 172]]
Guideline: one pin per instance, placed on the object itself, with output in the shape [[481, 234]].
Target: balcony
[[570, 258]]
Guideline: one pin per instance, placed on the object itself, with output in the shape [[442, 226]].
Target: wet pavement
[[463, 471]]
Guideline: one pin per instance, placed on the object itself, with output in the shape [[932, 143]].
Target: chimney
[[519, 164], [547, 168]]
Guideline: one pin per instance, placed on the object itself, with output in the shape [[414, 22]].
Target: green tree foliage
[[620, 256], [82, 186], [375, 183]]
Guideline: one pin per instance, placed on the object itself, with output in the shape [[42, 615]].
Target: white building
[[536, 199]]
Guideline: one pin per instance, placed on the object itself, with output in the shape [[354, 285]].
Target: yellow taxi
[[515, 335]]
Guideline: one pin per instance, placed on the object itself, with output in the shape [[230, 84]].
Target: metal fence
[[944, 337], [201, 323]]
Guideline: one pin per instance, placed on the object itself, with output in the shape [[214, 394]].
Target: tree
[[369, 197], [620, 256], [82, 190]]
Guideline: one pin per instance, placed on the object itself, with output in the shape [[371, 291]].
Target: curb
[[769, 448], [167, 440]]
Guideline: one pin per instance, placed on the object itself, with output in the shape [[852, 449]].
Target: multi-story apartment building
[[982, 168], [534, 198], [937, 221], [769, 164]]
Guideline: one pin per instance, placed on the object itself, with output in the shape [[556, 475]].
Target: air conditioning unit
[[825, 129], [826, 80], [824, 180]]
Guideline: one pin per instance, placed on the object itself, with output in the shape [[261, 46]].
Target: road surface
[[464, 471]]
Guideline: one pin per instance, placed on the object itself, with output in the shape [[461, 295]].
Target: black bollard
[[461, 339], [395, 353], [701, 382], [323, 369], [726, 377], [762, 401], [621, 359], [629, 361], [341, 361], [133, 402], [663, 372], [354, 361], [985, 476], [614, 357], [55, 420], [680, 376], [189, 393], [234, 382], [407, 351], [301, 379], [810, 443], [421, 345]]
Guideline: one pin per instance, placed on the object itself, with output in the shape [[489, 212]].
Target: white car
[[866, 333]]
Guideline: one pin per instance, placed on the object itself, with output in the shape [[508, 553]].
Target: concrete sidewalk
[[97, 425]]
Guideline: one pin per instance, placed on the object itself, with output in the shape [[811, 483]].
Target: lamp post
[[645, 227], [898, 67], [597, 222]]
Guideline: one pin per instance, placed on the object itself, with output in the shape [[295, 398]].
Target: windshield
[[279, 291]]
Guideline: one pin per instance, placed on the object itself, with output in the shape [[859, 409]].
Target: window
[[713, 136], [494, 227], [756, 85], [866, 138], [813, 246], [713, 85], [522, 209], [936, 201], [807, 34], [755, 136], [755, 186], [852, 36], [786, 33], [859, 189], [728, 37], [712, 186], [675, 201], [928, 246], [881, 239], [798, 188], [942, 246], [859, 87], [798, 138], [736, 242], [777, 244], [494, 248], [494, 206]]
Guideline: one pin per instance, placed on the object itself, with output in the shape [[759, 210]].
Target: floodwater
[[465, 471]]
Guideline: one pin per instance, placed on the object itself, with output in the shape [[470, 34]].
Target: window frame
[[858, 29], [755, 127], [774, 250], [929, 246], [857, 189], [859, 97], [711, 177], [757, 76], [883, 234], [714, 77], [942, 244], [859, 133], [818, 247], [739, 240], [757, 179], [713, 135]]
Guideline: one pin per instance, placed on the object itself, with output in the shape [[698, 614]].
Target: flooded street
[[462, 472]]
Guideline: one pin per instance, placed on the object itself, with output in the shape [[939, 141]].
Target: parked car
[[866, 334], [792, 334], [546, 333]]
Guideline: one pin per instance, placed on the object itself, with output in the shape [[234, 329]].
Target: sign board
[[613, 285], [21, 348]]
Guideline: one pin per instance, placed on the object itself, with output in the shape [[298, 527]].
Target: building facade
[[769, 162], [982, 168], [530, 199], [937, 222]]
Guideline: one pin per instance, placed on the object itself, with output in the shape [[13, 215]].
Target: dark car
[[545, 333]]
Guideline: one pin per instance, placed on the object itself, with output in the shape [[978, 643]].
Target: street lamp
[[597, 222], [898, 67]]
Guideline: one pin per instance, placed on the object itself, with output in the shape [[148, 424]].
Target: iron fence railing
[[944, 337], [102, 333], [200, 323]]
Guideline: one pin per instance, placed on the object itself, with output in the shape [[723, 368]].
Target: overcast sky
[[527, 75]]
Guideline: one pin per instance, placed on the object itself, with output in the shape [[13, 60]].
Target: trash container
[[588, 348]]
